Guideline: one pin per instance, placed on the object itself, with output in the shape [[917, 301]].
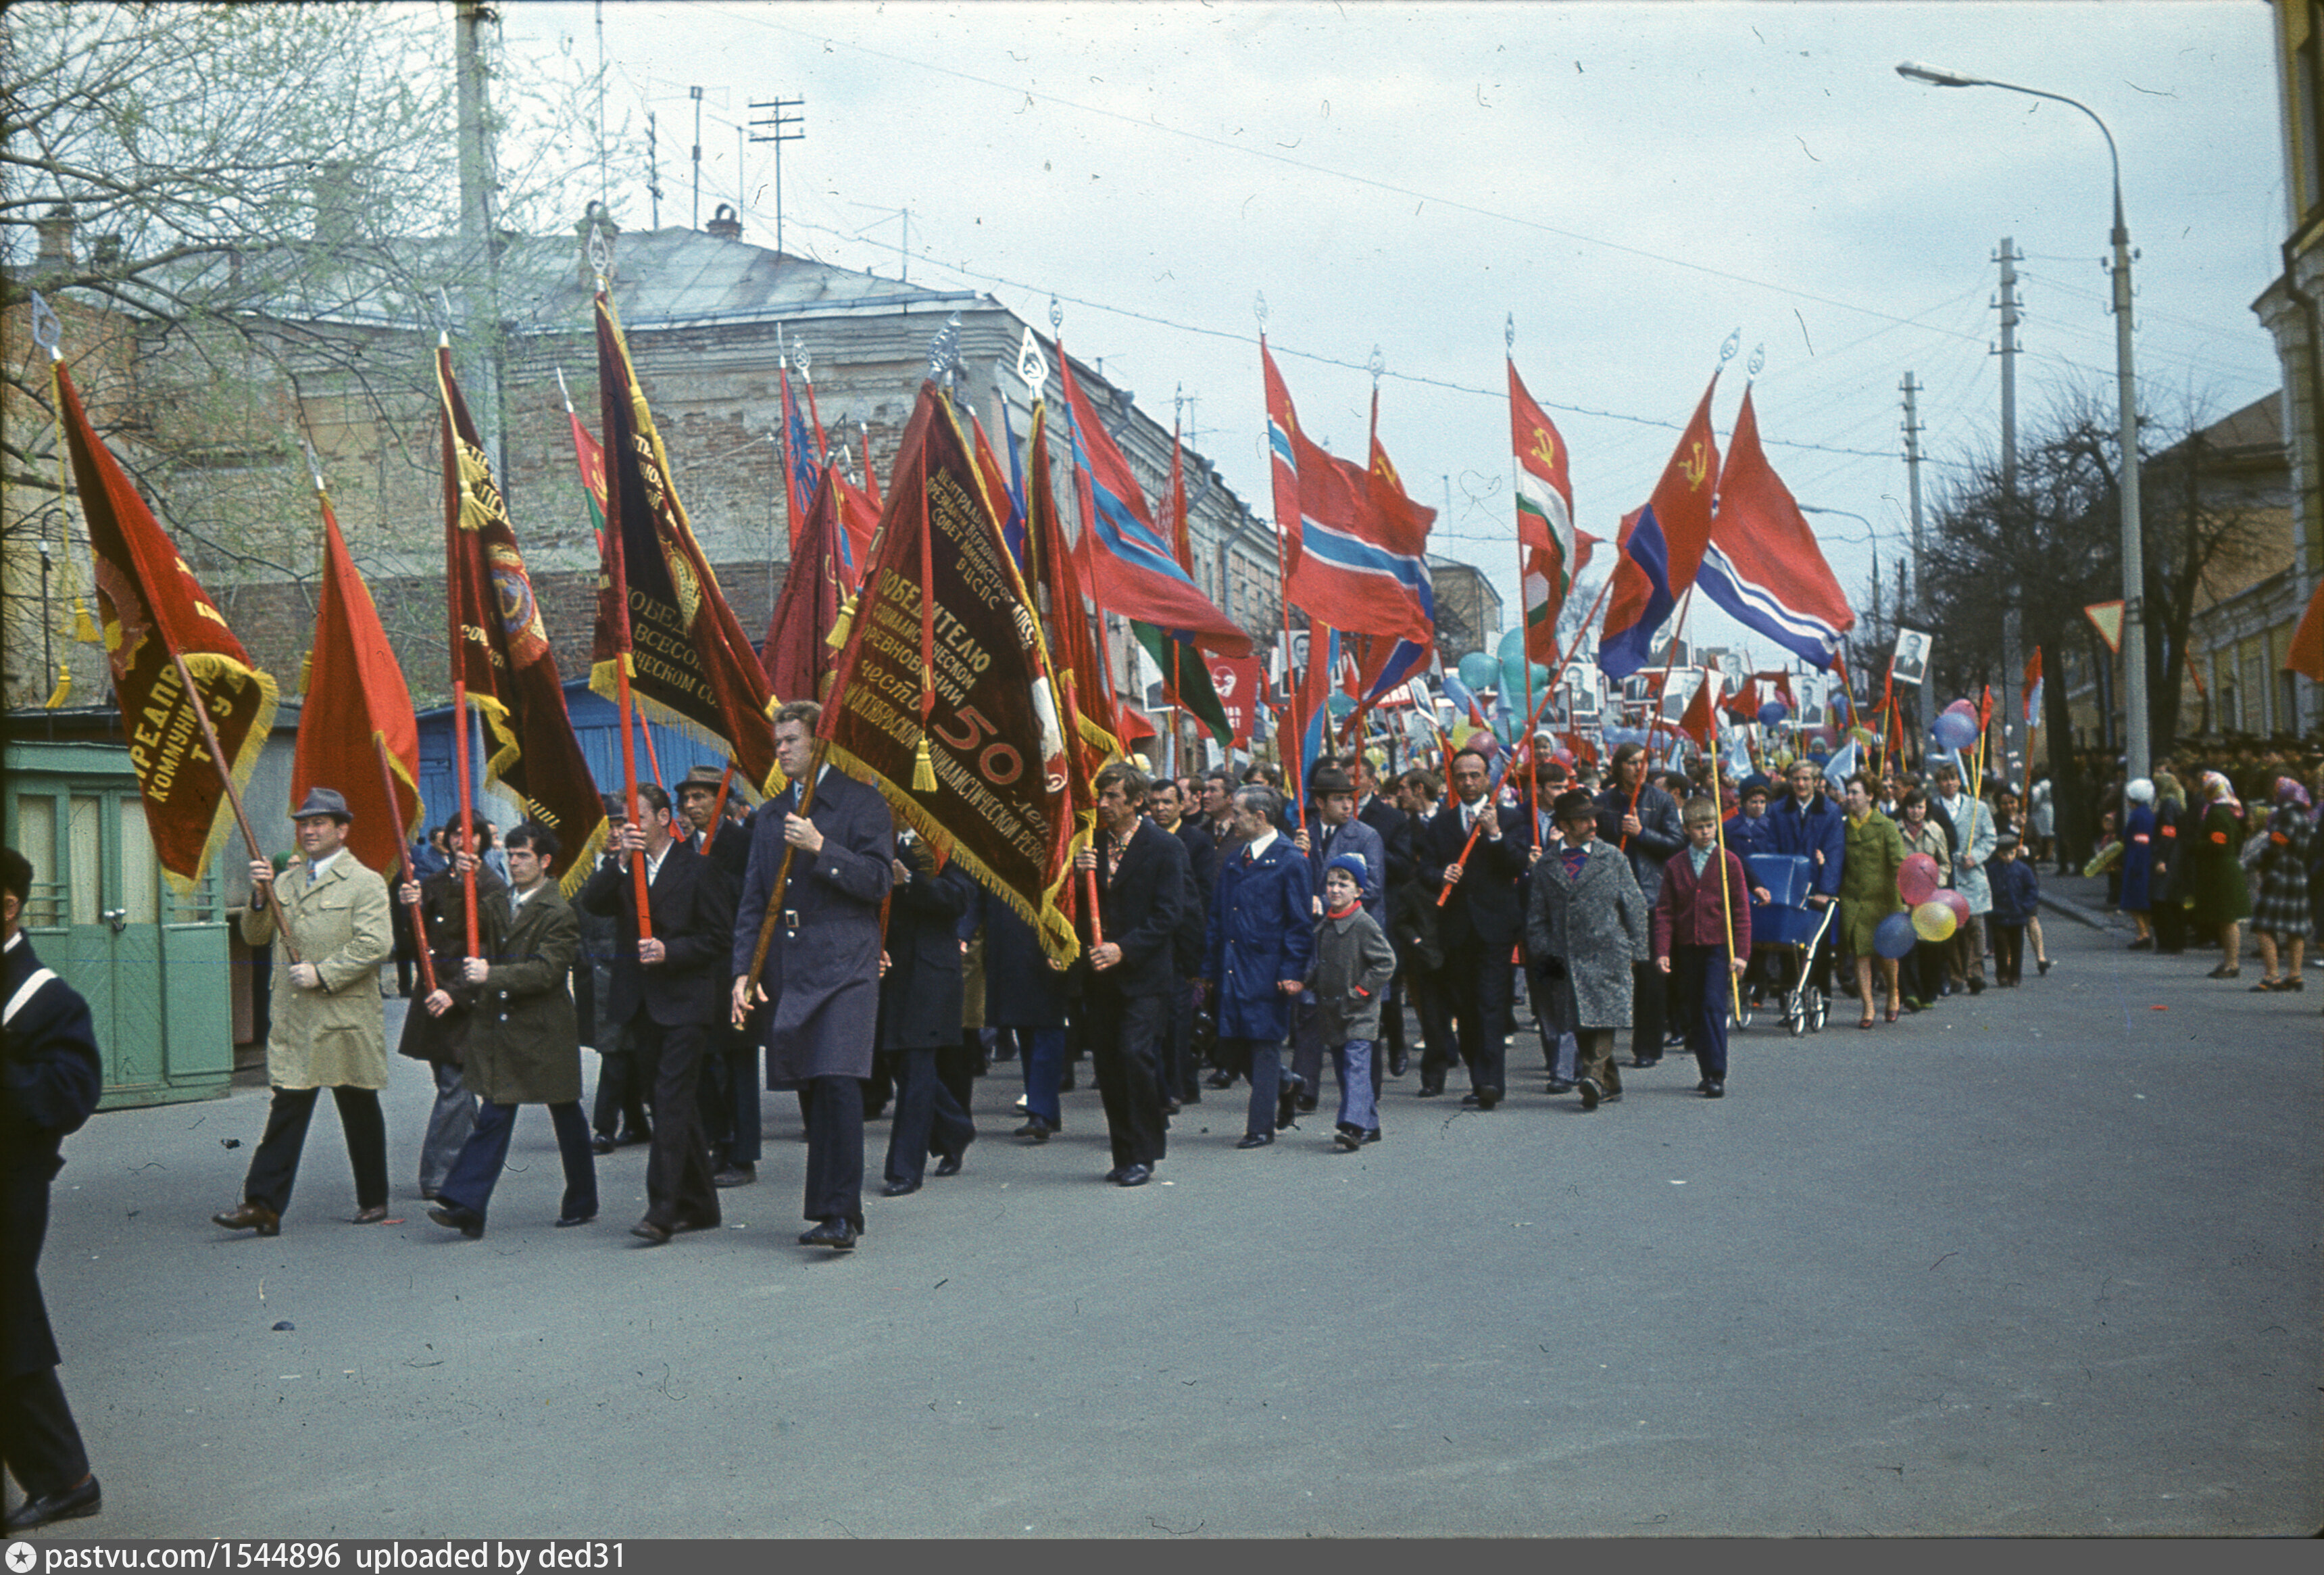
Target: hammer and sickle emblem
[[1696, 466], [1544, 447]]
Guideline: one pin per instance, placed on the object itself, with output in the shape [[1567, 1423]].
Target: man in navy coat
[[822, 973], [1262, 936], [1141, 883], [665, 991], [1478, 926]]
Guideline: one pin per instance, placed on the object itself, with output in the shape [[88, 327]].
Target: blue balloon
[[1342, 705], [1894, 937], [1480, 671], [1510, 651], [1773, 712], [1956, 731]]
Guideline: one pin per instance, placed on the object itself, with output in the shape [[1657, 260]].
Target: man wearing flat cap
[[327, 1029]]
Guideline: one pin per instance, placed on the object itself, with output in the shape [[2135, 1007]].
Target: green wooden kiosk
[[152, 965]]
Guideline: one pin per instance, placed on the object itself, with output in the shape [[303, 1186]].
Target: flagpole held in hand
[[782, 882], [226, 776], [403, 869]]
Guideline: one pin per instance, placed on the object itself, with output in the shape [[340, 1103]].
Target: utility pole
[[2013, 720], [1913, 493], [654, 169], [780, 127], [696, 93], [479, 345]]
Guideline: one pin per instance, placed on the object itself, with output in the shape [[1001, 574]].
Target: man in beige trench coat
[[328, 1030]]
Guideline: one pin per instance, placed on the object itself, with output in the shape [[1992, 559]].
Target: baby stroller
[[1784, 933]]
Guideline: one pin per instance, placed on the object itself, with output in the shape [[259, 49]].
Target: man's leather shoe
[[1714, 1089], [77, 1503], [1135, 1175], [1371, 1134], [1306, 1105], [1560, 1086], [374, 1215], [1349, 1138], [1641, 1062], [567, 1221], [1035, 1128], [602, 1144], [735, 1176], [452, 1217], [1429, 1090], [429, 1194], [647, 1230], [900, 1189], [635, 1136], [256, 1217], [1220, 1079], [1469, 1100], [948, 1165], [1591, 1093], [681, 1227], [1488, 1097], [1114, 1175], [1170, 1106], [1255, 1140], [835, 1233], [1398, 1062]]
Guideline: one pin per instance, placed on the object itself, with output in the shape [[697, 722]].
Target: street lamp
[[2137, 745]]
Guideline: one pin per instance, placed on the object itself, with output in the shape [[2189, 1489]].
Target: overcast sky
[[1634, 182]]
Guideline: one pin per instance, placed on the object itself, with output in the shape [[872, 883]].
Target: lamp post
[[2137, 746]]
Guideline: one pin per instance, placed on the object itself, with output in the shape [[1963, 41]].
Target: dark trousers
[[1701, 981], [1262, 1062], [1122, 1032], [2170, 927], [485, 1153], [678, 1167], [622, 1086], [833, 1108], [38, 1441], [730, 1097], [1923, 972], [1041, 1052], [1431, 1001], [276, 1166], [1391, 1026], [1176, 1044], [958, 1066], [2008, 950], [1477, 985], [929, 1119], [1649, 1017]]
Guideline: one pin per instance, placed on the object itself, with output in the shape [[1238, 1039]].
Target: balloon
[[1511, 652], [1342, 705], [1563, 756], [1957, 903], [1540, 677], [1773, 713], [1894, 937], [1961, 707], [1933, 921], [1955, 730], [1916, 882], [1478, 670]]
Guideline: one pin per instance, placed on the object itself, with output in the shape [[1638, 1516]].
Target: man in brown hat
[[328, 1031]]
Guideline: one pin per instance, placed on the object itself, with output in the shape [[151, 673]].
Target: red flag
[[156, 612], [1239, 682], [1055, 582], [2305, 654], [1762, 565], [1662, 548], [960, 733], [1132, 570], [501, 653], [797, 655], [2031, 698], [686, 655], [1346, 563], [1699, 720], [1546, 534], [1173, 505], [357, 703]]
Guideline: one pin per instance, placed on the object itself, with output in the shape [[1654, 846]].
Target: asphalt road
[[2045, 1261]]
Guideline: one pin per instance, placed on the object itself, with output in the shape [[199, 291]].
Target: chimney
[[109, 251], [336, 200], [56, 232], [724, 224]]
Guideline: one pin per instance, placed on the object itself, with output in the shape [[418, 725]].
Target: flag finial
[[803, 360], [314, 466], [47, 333], [1057, 315], [1032, 366], [1758, 359], [564, 392], [1728, 347], [1375, 364], [600, 253], [944, 351], [1258, 309]]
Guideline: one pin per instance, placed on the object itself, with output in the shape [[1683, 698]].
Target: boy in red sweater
[[1702, 936]]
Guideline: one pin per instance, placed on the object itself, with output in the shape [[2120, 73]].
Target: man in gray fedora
[[328, 1029]]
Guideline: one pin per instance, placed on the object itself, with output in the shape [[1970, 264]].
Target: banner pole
[[403, 868], [225, 779]]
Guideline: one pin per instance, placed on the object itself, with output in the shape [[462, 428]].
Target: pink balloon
[[1917, 881], [1956, 902], [1962, 707]]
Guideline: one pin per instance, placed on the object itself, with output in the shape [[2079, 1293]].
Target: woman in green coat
[[2222, 895], [1872, 853]]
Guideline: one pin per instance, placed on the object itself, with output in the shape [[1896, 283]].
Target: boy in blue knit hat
[[1351, 969]]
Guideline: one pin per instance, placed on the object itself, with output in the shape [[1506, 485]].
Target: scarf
[[2219, 790]]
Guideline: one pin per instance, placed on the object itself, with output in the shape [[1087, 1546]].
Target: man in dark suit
[[1141, 882], [1395, 834], [665, 994], [1477, 927], [919, 1014], [1167, 805], [49, 1079], [821, 977], [730, 1067], [1641, 820]]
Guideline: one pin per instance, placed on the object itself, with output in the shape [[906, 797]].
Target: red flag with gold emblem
[[156, 612]]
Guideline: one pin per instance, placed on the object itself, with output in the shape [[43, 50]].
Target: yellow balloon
[[1933, 921]]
